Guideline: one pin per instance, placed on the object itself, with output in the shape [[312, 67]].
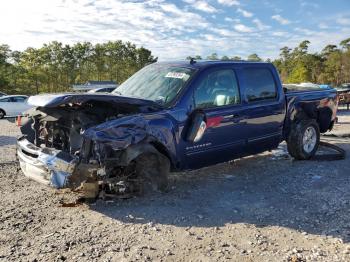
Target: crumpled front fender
[[122, 133], [119, 133]]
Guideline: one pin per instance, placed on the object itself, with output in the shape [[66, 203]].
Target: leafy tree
[[196, 57], [299, 74], [284, 62], [54, 67], [329, 49], [345, 43], [332, 69], [236, 58], [303, 47], [213, 56], [285, 53], [4, 65], [225, 58], [254, 57], [331, 66], [295, 65]]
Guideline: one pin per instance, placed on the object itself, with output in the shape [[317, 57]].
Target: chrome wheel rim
[[2, 114], [309, 139]]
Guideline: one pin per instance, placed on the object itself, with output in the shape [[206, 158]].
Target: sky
[[173, 30]]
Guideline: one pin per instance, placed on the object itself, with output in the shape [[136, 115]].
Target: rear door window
[[259, 84]]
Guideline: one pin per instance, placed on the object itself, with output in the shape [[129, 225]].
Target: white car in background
[[13, 105]]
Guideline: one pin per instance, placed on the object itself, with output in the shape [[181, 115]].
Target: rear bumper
[[47, 166]]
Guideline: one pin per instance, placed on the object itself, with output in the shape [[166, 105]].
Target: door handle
[[234, 118], [231, 116]]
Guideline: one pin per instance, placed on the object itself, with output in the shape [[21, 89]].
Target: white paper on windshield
[[176, 75]]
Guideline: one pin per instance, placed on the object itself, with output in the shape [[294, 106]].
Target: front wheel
[[153, 170], [304, 139]]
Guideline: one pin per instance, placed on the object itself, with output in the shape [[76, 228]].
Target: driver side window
[[218, 88]]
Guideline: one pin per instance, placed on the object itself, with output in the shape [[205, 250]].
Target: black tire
[[2, 114], [299, 148], [153, 169]]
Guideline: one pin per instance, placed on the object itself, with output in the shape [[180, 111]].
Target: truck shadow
[[266, 190]]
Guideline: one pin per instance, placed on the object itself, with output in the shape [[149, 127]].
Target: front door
[[217, 95]]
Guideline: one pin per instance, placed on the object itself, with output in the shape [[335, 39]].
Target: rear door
[[264, 107], [217, 95]]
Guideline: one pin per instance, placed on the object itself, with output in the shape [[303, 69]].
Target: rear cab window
[[259, 84]]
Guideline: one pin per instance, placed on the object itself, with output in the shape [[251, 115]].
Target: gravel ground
[[8, 137], [262, 208]]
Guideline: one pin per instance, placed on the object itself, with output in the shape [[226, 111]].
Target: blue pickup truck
[[169, 117]]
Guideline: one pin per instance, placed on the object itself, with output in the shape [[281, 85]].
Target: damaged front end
[[88, 142]]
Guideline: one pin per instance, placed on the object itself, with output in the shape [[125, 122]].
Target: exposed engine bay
[[61, 128], [92, 145]]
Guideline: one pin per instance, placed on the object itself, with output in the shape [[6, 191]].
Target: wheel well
[[162, 149], [323, 117], [132, 152]]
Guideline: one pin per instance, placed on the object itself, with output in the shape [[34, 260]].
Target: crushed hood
[[54, 100]]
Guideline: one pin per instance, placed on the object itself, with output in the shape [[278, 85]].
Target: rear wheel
[[2, 114], [304, 139]]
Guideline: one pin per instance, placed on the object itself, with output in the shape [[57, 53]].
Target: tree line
[[54, 67], [330, 66]]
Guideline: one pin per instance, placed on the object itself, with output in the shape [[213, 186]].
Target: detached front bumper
[[45, 165]]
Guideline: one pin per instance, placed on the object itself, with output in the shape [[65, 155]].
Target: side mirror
[[197, 126]]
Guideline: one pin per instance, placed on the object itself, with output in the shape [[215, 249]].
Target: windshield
[[159, 83]]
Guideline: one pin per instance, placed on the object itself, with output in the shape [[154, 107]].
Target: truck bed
[[320, 104], [297, 88]]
